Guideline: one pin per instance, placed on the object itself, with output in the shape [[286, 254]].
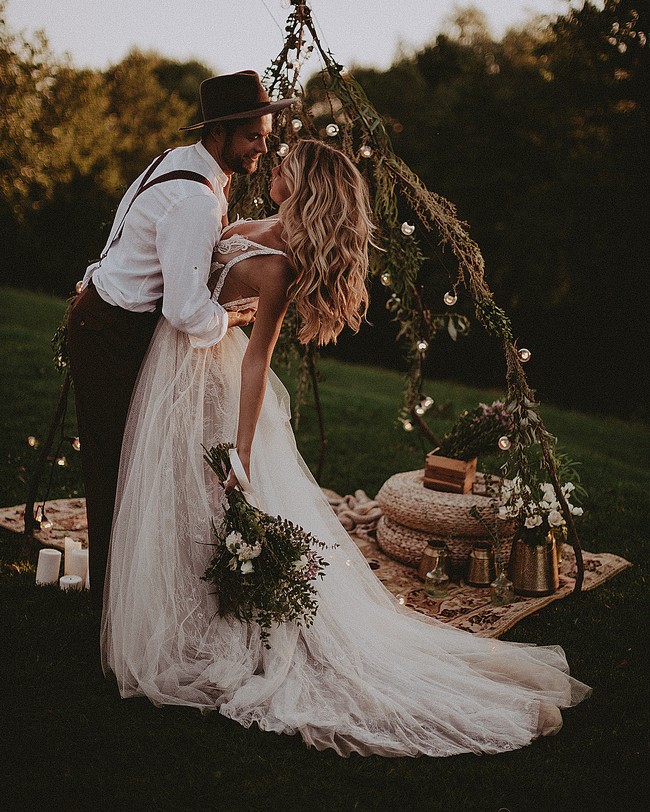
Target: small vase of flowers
[[534, 560]]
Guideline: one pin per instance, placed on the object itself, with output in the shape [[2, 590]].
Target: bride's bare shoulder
[[266, 232]]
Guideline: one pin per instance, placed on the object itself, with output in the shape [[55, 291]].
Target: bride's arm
[[272, 306]]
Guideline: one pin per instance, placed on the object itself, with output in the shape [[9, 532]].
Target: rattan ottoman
[[414, 515]]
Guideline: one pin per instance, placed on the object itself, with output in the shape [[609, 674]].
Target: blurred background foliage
[[540, 139]]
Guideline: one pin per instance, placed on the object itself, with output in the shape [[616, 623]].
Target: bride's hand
[[230, 484], [240, 318]]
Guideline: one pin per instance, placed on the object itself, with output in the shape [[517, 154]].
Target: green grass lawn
[[71, 743]]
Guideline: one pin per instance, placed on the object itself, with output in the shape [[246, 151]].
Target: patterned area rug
[[465, 607]]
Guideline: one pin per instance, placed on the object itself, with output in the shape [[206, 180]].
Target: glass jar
[[502, 590], [436, 582]]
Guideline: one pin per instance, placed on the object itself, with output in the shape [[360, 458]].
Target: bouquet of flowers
[[539, 516], [263, 566], [476, 432]]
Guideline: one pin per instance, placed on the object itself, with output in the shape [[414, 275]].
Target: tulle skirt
[[369, 676]]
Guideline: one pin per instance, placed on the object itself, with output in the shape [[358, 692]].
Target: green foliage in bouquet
[[477, 432], [264, 567]]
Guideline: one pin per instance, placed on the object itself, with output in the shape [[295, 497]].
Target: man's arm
[[185, 239]]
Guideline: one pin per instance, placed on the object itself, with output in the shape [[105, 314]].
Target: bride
[[369, 676]]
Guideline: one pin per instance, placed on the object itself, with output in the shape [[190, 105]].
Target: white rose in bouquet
[[234, 541]]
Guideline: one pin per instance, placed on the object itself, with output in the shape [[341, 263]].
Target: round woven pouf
[[404, 499], [414, 515], [407, 545]]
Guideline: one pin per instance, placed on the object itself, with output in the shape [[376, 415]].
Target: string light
[[524, 355], [408, 426], [257, 201], [42, 519], [296, 125], [450, 298], [427, 402], [76, 444], [408, 229], [61, 462], [32, 442], [283, 150], [386, 279], [332, 130], [420, 410], [422, 345], [504, 443], [366, 151]]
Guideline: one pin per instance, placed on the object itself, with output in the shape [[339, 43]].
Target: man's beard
[[242, 164], [245, 166]]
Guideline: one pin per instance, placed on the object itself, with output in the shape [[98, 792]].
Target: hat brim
[[265, 110]]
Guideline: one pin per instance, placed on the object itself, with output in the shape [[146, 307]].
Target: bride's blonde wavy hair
[[327, 228]]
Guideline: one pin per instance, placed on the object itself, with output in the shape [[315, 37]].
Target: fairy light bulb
[[332, 130], [296, 125], [366, 151], [257, 201], [420, 410], [76, 444], [61, 461], [422, 345], [32, 442], [386, 279], [408, 426], [450, 298], [427, 402], [524, 355], [79, 286], [46, 524], [504, 443], [283, 150], [408, 229]]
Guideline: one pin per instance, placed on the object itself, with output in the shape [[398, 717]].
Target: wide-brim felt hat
[[233, 96]]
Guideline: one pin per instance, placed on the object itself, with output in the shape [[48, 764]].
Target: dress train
[[370, 676]]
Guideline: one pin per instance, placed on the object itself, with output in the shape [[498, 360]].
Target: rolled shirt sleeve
[[185, 239]]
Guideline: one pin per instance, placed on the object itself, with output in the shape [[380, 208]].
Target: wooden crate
[[447, 474]]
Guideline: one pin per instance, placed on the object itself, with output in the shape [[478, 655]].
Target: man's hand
[[240, 318]]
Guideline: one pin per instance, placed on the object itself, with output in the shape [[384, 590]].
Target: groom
[[156, 261]]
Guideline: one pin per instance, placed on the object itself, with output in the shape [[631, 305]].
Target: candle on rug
[[47, 569], [67, 582], [70, 545]]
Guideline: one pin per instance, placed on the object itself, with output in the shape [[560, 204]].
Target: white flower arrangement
[[539, 515]]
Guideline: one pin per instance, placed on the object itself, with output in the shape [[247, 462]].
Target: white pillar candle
[[78, 564], [47, 569], [70, 545], [70, 582]]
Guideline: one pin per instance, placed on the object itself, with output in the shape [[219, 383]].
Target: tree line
[[540, 139]]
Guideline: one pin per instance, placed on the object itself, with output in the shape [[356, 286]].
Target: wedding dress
[[370, 675]]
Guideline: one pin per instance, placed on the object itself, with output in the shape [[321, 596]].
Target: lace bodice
[[245, 249]]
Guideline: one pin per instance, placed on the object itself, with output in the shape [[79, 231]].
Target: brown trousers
[[106, 345]]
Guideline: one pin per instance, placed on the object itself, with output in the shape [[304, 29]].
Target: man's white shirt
[[165, 249]]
